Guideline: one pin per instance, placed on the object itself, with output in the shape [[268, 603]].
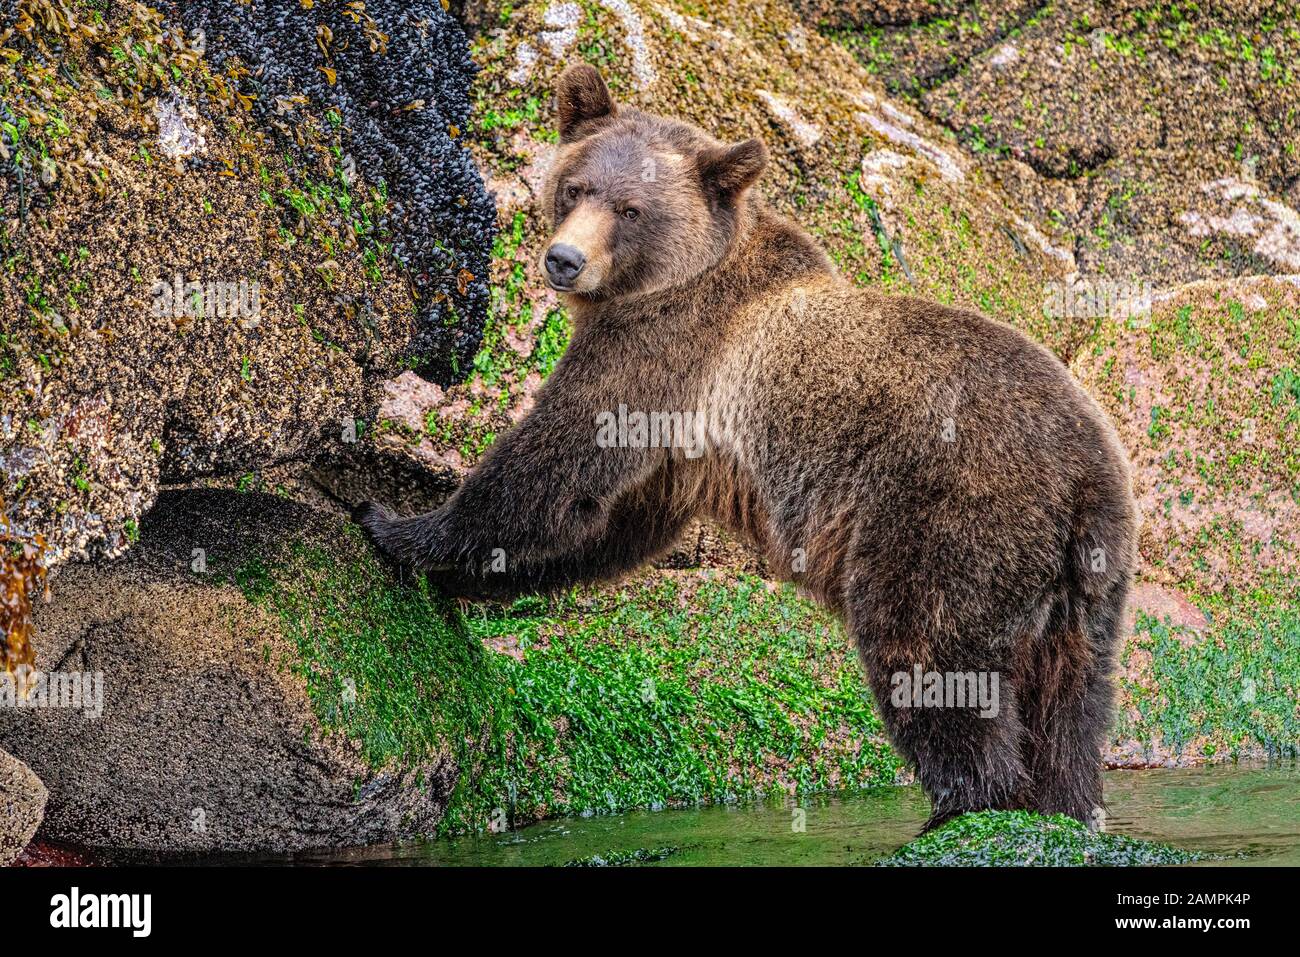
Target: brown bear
[[934, 477]]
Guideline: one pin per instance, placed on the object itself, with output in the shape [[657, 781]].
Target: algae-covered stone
[[197, 726], [1205, 392], [205, 249], [1022, 839], [644, 855]]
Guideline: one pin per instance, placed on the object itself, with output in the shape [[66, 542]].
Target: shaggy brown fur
[[934, 477]]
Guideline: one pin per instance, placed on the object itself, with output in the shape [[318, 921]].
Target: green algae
[[1022, 839], [669, 693], [642, 855], [1229, 693]]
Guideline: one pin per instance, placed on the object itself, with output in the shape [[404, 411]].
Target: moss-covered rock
[[211, 253], [1021, 839], [264, 673], [1159, 137]]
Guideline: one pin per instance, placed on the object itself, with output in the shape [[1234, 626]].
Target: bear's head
[[640, 204]]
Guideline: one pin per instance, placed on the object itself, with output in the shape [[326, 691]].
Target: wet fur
[[832, 404]]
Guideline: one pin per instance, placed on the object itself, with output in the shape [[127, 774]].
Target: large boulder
[[22, 803], [221, 233], [193, 723]]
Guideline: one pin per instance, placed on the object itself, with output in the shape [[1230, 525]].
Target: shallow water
[[1243, 814]]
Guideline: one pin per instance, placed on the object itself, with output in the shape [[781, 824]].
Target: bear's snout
[[563, 263]]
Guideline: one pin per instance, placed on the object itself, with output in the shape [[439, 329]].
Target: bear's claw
[[376, 521], [367, 514]]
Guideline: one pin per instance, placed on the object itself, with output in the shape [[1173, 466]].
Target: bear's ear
[[582, 96], [730, 170]]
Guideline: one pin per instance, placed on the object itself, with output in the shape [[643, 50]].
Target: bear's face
[[640, 204]]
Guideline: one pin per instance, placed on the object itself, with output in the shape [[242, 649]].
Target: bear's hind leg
[[966, 758], [1069, 699]]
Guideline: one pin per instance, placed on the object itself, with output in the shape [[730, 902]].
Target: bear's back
[[835, 380]]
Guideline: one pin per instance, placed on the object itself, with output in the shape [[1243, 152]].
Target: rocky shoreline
[[268, 686]]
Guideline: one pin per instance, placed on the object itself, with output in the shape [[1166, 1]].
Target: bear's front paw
[[372, 517], [403, 542], [379, 524]]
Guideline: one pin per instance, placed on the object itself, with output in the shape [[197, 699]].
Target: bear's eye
[[631, 213], [572, 192]]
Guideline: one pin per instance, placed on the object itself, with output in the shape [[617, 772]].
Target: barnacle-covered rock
[[396, 75], [22, 805], [216, 243]]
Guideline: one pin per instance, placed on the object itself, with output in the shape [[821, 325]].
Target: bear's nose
[[563, 263]]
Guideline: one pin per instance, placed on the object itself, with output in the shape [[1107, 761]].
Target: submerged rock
[[1022, 839], [22, 804], [642, 855]]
